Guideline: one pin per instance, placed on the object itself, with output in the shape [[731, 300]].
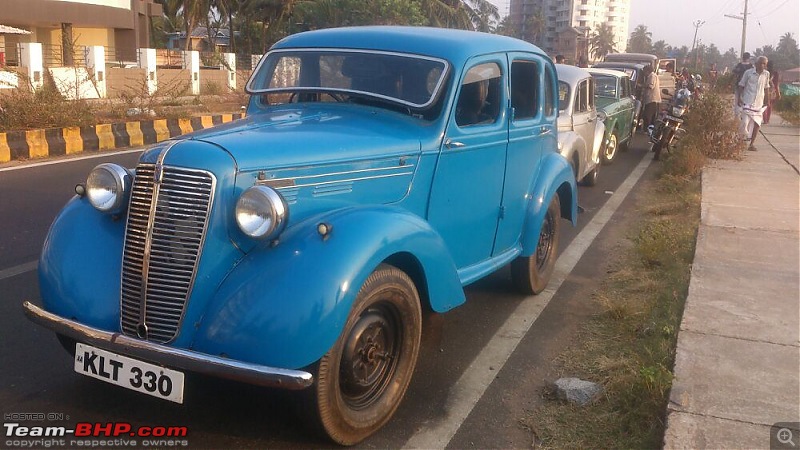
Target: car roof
[[453, 45], [630, 57], [613, 73], [612, 64], [571, 74]]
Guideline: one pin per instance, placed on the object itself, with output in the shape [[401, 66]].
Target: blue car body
[[447, 204]]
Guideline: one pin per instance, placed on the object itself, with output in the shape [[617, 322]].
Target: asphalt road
[[36, 374]]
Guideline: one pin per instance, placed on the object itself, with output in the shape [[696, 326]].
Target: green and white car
[[616, 106]]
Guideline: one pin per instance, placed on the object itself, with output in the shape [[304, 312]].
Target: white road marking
[[469, 389], [18, 270], [70, 159]]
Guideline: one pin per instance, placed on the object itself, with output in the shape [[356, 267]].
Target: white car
[[580, 130]]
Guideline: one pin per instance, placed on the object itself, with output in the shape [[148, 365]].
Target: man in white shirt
[[752, 94]]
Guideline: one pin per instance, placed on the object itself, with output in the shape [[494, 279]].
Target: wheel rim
[[611, 148], [369, 358], [545, 245]]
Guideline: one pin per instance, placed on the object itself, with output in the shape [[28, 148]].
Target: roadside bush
[[23, 109], [789, 109], [711, 132]]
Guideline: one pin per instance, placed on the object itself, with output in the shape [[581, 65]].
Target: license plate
[[129, 373]]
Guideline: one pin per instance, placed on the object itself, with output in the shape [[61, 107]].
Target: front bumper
[[171, 357]]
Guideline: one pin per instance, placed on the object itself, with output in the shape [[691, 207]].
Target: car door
[[628, 107], [532, 132], [584, 117], [467, 187]]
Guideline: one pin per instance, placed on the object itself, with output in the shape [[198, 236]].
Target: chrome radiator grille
[[163, 241]]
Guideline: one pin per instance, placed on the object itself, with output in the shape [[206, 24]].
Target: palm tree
[[484, 14], [194, 12], [602, 41], [533, 26], [446, 13], [641, 40], [660, 48]]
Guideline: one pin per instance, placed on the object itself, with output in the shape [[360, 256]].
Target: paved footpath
[[738, 355]]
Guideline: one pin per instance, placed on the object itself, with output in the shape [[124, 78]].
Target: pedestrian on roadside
[[752, 93], [775, 91], [559, 59], [651, 97], [712, 75], [740, 69]]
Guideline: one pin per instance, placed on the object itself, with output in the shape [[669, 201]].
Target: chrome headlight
[[601, 116], [261, 213], [107, 188], [678, 110]]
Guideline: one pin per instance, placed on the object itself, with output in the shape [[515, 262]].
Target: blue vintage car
[[378, 171]]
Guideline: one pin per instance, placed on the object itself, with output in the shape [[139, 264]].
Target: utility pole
[[697, 24], [743, 18]]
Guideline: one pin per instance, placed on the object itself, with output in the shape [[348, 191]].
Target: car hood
[[311, 134]]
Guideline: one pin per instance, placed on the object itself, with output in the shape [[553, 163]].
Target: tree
[[533, 26], [484, 14], [602, 41], [641, 40], [338, 13], [660, 48], [193, 12], [787, 47]]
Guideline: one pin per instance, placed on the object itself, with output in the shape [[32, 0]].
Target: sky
[[672, 21]]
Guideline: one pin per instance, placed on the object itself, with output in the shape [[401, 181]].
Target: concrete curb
[[31, 144]]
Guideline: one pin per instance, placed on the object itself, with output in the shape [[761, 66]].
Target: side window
[[583, 97], [524, 89], [549, 95], [479, 99], [591, 93], [626, 91]]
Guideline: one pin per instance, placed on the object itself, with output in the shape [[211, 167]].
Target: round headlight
[[107, 187], [601, 116], [261, 213]]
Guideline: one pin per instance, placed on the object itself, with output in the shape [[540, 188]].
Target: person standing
[[712, 75], [752, 93], [775, 91], [740, 69], [651, 97]]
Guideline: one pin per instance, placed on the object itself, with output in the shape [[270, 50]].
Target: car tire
[[610, 150], [531, 274], [591, 178], [360, 382]]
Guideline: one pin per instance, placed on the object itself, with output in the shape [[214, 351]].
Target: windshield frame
[[442, 80]]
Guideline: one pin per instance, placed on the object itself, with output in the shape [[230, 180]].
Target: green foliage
[[602, 41], [340, 13], [641, 40], [789, 109]]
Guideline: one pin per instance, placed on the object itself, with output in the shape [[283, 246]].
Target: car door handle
[[453, 144], [545, 130]]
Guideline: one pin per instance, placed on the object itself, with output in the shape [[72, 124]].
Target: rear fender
[[285, 305], [555, 178]]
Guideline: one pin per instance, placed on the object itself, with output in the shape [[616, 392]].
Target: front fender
[[555, 178], [571, 143], [285, 305], [599, 133]]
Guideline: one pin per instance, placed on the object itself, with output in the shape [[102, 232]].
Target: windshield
[[605, 86], [409, 80], [563, 95]]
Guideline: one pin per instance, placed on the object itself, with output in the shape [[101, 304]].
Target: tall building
[[564, 26], [121, 26]]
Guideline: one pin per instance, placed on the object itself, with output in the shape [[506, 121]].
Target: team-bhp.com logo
[[88, 429]]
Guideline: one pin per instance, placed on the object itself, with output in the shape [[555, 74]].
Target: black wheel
[[591, 178], [68, 343], [363, 377], [610, 149], [531, 274]]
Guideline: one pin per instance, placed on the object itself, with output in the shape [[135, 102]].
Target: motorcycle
[[668, 127]]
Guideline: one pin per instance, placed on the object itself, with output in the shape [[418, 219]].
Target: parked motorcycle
[[668, 126]]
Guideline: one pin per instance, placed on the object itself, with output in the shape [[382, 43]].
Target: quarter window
[[549, 95]]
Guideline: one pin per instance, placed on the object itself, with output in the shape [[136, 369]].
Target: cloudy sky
[[672, 21]]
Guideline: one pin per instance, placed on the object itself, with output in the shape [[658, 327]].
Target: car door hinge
[[502, 213]]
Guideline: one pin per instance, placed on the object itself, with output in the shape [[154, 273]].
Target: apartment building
[[564, 26], [121, 26]]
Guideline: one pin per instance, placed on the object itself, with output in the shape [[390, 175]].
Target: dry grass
[[629, 345]]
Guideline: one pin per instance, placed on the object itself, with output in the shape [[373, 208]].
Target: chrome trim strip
[[168, 356], [348, 172], [347, 180]]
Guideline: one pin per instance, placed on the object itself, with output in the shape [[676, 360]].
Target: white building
[[562, 26]]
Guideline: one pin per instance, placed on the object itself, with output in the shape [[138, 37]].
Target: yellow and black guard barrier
[[31, 144]]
